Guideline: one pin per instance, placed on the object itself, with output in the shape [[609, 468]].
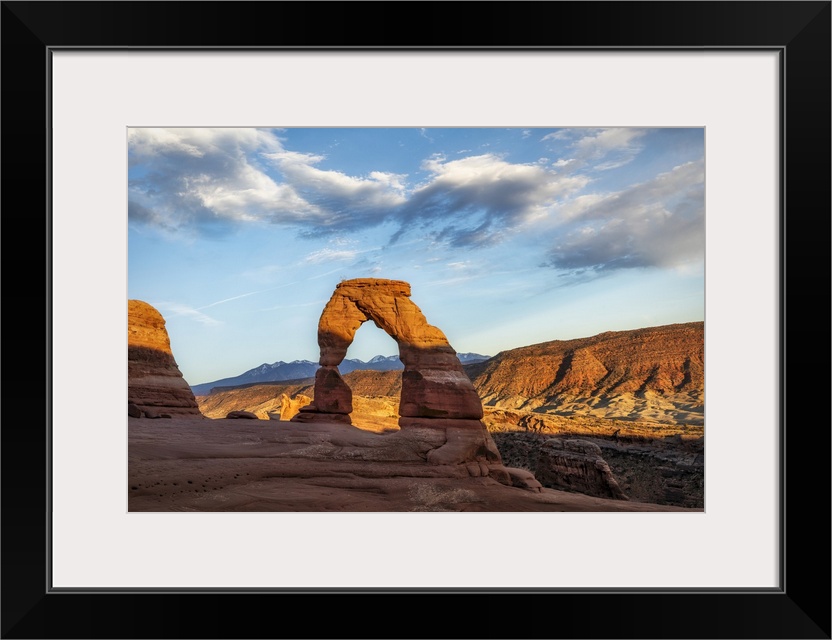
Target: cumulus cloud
[[475, 200], [347, 201], [658, 223], [209, 179], [202, 177]]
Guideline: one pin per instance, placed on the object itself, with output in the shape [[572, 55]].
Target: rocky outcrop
[[655, 374], [241, 415], [290, 406], [436, 394], [434, 384], [576, 465], [155, 385]]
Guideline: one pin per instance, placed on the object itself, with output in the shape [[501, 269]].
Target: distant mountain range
[[300, 369]]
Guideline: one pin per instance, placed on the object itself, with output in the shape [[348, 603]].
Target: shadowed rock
[[577, 465], [154, 383], [242, 415]]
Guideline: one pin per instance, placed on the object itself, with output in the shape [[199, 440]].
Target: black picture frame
[[800, 608]]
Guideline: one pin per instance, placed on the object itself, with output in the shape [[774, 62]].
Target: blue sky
[[508, 236]]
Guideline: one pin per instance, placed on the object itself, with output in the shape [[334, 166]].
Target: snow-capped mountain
[[469, 358], [299, 369]]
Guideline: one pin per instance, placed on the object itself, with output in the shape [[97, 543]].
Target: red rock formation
[[241, 415], [576, 465], [654, 364], [290, 406], [436, 394], [154, 383]]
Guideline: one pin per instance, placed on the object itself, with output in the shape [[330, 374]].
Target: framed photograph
[[729, 100]]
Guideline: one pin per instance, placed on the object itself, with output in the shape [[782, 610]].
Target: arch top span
[[387, 303]]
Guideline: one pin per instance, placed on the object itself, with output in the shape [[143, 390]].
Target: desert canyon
[[613, 422]]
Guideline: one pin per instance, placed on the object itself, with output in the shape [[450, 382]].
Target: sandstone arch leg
[[436, 392]]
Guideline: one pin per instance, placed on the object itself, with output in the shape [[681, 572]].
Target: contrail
[[251, 293]]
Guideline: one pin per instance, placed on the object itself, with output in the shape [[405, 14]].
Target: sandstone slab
[[239, 465]]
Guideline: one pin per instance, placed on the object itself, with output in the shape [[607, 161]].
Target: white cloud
[[347, 201], [599, 144], [658, 223], [204, 177], [599, 149], [340, 251], [183, 177], [560, 134], [476, 200], [330, 255], [174, 309]]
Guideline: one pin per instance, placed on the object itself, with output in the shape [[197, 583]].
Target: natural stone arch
[[434, 385]]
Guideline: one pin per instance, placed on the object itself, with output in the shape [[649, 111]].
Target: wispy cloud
[[598, 149], [330, 255], [341, 251], [297, 305], [214, 304], [448, 281], [174, 309]]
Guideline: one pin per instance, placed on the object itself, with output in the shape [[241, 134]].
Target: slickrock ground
[[186, 464]]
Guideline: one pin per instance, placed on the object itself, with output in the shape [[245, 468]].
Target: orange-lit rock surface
[[154, 383], [436, 394]]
